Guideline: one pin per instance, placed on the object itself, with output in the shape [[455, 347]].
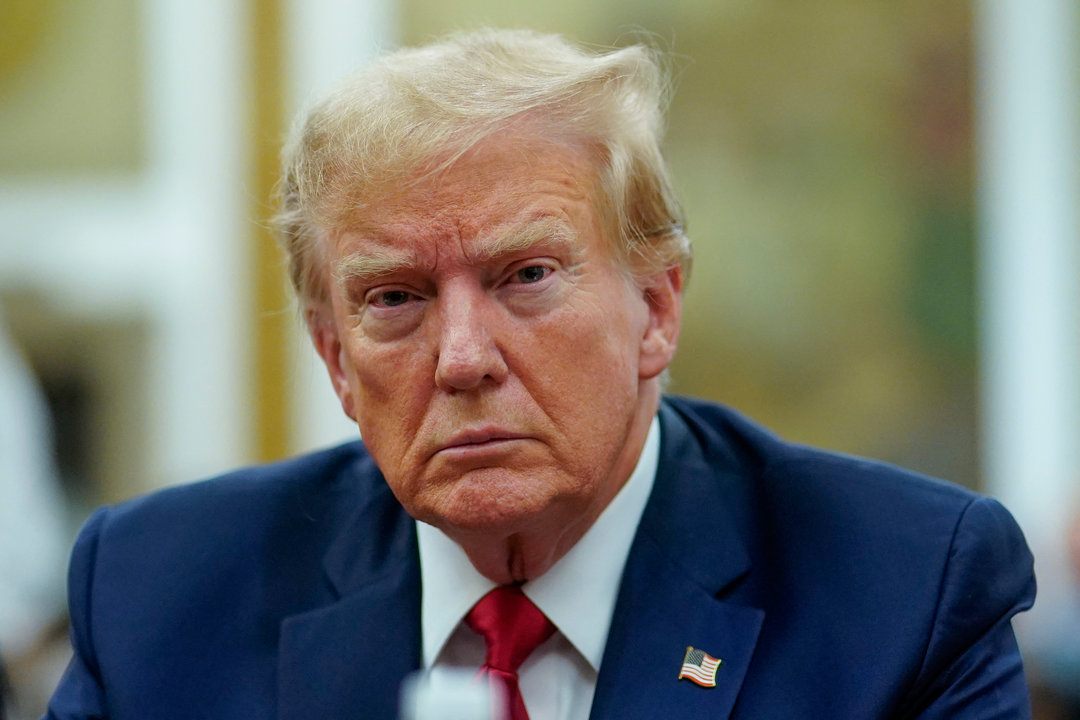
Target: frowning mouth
[[478, 440]]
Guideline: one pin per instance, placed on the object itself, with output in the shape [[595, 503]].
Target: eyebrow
[[517, 238], [371, 265]]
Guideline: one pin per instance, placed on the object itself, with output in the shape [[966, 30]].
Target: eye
[[532, 274], [390, 298]]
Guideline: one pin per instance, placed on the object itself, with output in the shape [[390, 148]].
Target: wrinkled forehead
[[507, 191]]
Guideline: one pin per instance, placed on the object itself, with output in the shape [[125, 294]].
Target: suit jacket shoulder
[[833, 586], [181, 601]]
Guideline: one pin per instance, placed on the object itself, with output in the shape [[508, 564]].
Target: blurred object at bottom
[[450, 695]]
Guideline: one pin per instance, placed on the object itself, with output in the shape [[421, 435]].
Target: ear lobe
[[663, 295], [324, 335]]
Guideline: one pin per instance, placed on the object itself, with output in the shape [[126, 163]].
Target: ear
[[663, 296], [324, 335]]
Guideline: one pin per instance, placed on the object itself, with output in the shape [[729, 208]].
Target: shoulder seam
[[97, 521], [941, 590]]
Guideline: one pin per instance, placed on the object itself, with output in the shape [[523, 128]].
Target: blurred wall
[[123, 221]]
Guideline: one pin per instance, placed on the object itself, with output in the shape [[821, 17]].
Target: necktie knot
[[511, 625]]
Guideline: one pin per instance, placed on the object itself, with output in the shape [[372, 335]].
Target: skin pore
[[500, 363]]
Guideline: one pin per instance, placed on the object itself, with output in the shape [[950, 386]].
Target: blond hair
[[417, 110]]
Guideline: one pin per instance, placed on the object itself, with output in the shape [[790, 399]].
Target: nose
[[468, 354]]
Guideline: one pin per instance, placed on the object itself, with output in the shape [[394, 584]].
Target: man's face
[[498, 361]]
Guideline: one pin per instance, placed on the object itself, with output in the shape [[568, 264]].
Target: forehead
[[503, 185]]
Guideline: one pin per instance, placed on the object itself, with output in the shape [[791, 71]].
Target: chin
[[493, 501]]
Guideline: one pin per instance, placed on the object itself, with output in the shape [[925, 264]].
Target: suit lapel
[[686, 552], [347, 659]]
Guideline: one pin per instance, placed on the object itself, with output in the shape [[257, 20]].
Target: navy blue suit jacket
[[831, 587]]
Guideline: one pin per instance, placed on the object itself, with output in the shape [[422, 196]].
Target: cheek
[[386, 372], [600, 346], [586, 371], [391, 386], [606, 364]]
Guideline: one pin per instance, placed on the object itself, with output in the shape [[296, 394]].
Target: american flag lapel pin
[[699, 667]]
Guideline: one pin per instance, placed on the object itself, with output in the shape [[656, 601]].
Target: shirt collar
[[577, 594]]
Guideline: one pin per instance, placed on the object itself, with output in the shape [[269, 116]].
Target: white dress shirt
[[577, 594]]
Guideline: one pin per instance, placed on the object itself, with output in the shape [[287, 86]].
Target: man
[[490, 263]]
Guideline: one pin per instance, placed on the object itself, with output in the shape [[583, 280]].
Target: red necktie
[[512, 628]]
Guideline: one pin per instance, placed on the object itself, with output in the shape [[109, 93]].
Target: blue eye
[[532, 274]]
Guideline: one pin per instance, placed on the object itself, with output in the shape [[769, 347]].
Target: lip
[[478, 439]]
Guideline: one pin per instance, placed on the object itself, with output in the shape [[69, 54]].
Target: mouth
[[475, 440]]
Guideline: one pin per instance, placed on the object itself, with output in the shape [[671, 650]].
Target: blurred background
[[883, 200]]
